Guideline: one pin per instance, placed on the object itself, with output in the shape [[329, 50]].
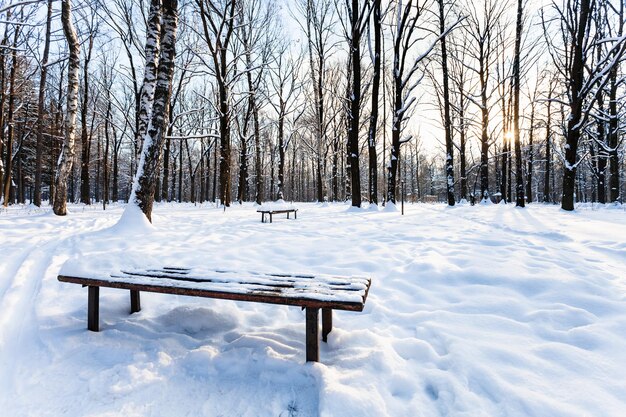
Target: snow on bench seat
[[318, 291]]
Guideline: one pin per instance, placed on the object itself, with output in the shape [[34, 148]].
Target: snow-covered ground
[[473, 311]]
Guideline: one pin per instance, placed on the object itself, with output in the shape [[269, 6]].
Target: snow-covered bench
[[311, 292], [277, 211]]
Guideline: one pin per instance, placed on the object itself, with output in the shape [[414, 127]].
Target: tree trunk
[[519, 174], [613, 140], [546, 181], [484, 135], [64, 168], [355, 105], [281, 151], [392, 168], [165, 194], [148, 170], [531, 155], [180, 173], [116, 151], [85, 196], [576, 74], [40, 109], [447, 121], [107, 143], [3, 51], [151, 52], [242, 190], [371, 137]]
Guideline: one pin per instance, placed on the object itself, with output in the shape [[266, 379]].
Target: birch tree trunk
[[152, 48], [66, 159], [147, 174]]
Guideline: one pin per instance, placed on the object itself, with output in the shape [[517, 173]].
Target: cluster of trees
[[233, 100]]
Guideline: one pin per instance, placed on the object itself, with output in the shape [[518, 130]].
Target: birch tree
[[66, 158], [144, 185]]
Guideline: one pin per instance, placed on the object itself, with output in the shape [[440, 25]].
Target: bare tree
[[615, 29], [85, 137], [573, 59], [376, 17], [8, 179], [358, 15], [318, 25], [447, 118], [406, 33], [40, 107], [483, 26], [218, 22], [256, 35], [519, 189], [67, 152], [284, 87]]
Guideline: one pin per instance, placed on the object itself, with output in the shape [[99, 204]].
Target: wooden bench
[[272, 212], [311, 292]]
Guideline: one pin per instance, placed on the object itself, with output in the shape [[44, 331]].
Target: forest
[[313, 100], [446, 180]]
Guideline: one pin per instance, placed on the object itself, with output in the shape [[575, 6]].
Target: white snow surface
[[473, 311]]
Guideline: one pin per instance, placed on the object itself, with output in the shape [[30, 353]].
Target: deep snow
[[473, 311]]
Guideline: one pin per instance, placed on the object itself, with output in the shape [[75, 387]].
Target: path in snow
[[473, 311]]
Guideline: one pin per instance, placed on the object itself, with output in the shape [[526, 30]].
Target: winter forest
[[315, 100], [313, 208]]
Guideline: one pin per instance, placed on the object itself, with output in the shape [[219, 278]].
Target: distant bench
[[311, 292], [272, 212]]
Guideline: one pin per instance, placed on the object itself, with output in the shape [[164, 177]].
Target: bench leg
[[93, 309], [262, 217], [327, 323], [135, 302], [287, 214], [270, 217], [312, 335], [295, 215]]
